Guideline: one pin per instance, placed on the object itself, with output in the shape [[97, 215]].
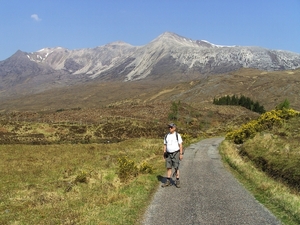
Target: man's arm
[[181, 151], [165, 150]]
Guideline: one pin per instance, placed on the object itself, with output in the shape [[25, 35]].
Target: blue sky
[[30, 25]]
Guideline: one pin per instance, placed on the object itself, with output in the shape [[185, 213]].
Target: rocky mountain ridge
[[168, 57], [168, 49]]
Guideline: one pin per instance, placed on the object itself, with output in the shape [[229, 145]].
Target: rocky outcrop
[[167, 57]]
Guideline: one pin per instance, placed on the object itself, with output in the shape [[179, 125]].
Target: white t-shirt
[[171, 142]]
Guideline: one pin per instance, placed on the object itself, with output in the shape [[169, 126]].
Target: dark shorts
[[172, 160]]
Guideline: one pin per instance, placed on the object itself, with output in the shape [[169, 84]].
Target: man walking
[[173, 153]]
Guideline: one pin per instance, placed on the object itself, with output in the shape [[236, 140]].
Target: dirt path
[[209, 194]]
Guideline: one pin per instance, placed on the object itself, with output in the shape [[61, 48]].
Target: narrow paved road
[[209, 194]]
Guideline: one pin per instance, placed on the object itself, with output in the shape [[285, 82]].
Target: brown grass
[[268, 88], [117, 123], [75, 184]]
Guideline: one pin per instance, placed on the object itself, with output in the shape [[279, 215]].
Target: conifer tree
[[243, 101]]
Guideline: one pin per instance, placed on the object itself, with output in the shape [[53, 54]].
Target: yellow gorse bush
[[186, 139], [144, 167], [127, 168], [265, 121]]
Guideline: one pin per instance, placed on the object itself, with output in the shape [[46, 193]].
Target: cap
[[172, 125]]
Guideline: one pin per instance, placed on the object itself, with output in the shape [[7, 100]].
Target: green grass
[[40, 183], [276, 157], [281, 200], [266, 160], [83, 184]]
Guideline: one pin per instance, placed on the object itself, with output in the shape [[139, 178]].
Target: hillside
[[118, 122], [167, 59], [120, 110], [268, 88]]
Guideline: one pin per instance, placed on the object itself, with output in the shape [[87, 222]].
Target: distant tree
[[243, 101], [215, 101], [228, 100], [285, 104], [174, 114], [234, 100]]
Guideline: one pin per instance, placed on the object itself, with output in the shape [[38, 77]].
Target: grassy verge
[[76, 184], [282, 201]]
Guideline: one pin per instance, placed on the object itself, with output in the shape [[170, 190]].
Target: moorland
[[74, 155]]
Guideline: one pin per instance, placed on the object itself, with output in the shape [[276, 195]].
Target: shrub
[[186, 138], [126, 168], [81, 177], [264, 122], [284, 105], [145, 168], [174, 114]]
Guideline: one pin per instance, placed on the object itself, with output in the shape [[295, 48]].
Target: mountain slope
[[91, 62], [169, 57], [268, 88], [172, 54]]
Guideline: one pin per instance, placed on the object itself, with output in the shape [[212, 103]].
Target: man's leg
[[176, 165], [177, 179], [169, 171], [168, 181]]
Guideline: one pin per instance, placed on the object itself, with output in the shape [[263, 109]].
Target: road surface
[[209, 194]]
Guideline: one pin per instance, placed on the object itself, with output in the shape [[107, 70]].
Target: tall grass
[[76, 184], [267, 160], [283, 201]]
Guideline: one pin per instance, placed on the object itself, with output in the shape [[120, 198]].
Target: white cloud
[[35, 17]]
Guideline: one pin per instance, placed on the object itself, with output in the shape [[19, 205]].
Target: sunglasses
[[170, 127]]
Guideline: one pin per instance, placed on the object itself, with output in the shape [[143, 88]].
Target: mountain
[[169, 57], [20, 76], [167, 53]]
